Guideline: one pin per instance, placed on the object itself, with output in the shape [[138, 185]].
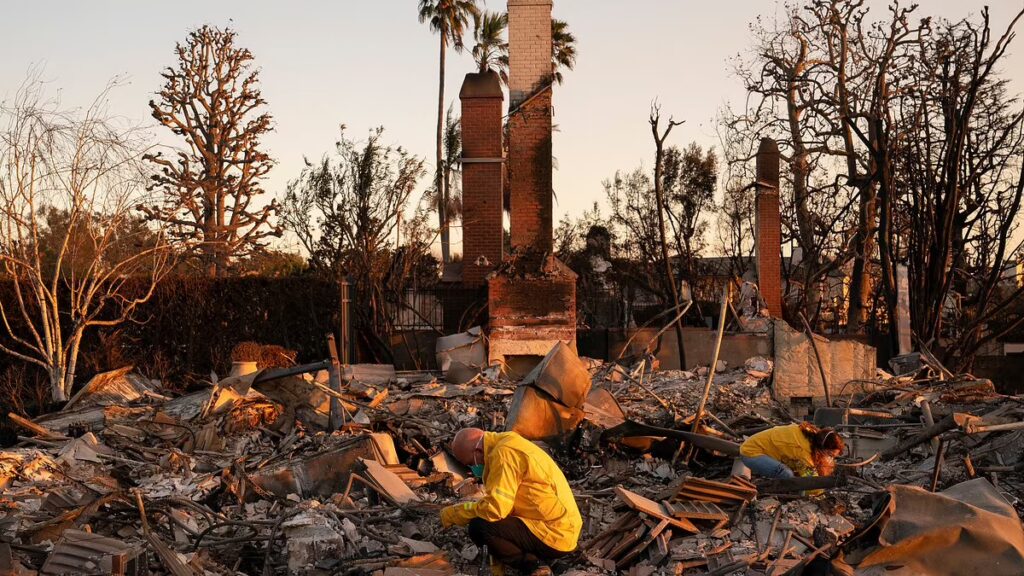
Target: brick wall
[[768, 227], [482, 233], [529, 315]]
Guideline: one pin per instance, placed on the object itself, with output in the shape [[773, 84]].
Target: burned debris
[[127, 479]]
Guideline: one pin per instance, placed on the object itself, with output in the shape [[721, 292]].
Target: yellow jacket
[[522, 481], [787, 444]]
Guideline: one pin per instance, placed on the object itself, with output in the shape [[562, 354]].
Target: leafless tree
[[661, 207], [213, 186], [953, 205], [76, 254], [909, 119]]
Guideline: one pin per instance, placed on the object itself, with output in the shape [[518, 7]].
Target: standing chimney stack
[[768, 227], [482, 218], [530, 111]]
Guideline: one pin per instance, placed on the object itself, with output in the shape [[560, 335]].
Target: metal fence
[[444, 309]]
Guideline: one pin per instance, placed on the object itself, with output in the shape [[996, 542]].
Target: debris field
[[258, 474]]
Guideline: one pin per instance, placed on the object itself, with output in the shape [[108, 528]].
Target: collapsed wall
[[849, 366]]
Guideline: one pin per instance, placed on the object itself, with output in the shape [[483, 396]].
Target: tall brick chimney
[[482, 227], [532, 303], [768, 227], [529, 154]]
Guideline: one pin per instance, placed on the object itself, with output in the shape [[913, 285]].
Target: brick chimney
[[532, 302], [768, 227], [529, 155], [482, 227]]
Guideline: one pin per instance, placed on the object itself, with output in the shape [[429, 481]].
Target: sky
[[371, 63]]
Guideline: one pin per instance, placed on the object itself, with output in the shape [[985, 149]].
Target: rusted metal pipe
[[995, 428], [946, 424]]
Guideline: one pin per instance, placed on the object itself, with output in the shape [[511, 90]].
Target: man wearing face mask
[[529, 516]]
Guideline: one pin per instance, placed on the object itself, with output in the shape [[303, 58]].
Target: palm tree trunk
[[439, 187]]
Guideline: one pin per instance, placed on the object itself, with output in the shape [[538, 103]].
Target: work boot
[[542, 570]]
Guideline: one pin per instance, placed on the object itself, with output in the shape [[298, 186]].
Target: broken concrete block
[[535, 415], [758, 366], [469, 552], [310, 536], [416, 547], [562, 375], [796, 373]]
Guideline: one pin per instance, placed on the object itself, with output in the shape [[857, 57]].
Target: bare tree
[[212, 188], [911, 120], [953, 205], [659, 197], [76, 254], [634, 226], [690, 179]]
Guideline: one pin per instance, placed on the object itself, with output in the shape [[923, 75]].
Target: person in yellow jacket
[[796, 449], [528, 516]]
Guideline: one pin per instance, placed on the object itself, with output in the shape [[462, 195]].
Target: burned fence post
[[336, 419], [345, 331]]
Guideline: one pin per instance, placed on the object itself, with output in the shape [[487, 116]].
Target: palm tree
[[491, 50], [563, 48], [450, 19], [450, 169]]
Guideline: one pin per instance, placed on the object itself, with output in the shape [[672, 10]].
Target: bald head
[[467, 446]]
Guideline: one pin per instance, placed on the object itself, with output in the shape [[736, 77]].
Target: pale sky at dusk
[[372, 63]]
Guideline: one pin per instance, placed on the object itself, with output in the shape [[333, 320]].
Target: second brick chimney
[[530, 111], [768, 227]]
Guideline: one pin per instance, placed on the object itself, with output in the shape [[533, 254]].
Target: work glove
[[448, 516]]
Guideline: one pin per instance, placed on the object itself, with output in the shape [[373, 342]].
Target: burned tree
[[213, 186], [690, 179], [74, 254], [952, 209], [671, 288], [347, 211]]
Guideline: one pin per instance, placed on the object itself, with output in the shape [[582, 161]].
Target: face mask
[[477, 469]]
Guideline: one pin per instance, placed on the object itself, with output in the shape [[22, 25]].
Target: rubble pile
[[244, 477]]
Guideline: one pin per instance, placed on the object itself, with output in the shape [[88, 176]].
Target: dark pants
[[510, 542]]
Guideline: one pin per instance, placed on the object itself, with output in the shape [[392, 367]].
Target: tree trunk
[[659, 195], [864, 247], [439, 187], [57, 391]]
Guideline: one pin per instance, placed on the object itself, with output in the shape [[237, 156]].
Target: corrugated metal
[[85, 553]]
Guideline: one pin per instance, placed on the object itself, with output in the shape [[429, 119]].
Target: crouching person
[[793, 450], [528, 517]]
